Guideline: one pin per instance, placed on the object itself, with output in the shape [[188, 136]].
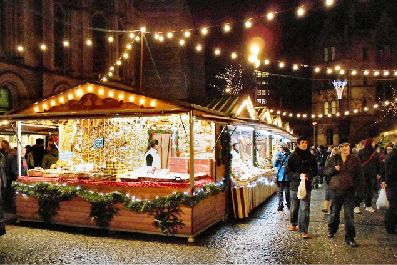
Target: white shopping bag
[[302, 190], [382, 201]]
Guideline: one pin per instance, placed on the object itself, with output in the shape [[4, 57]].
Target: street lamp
[[314, 132]]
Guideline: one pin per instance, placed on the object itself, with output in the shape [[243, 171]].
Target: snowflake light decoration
[[389, 108], [230, 81]]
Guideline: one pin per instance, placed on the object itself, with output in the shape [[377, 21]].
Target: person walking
[[301, 165], [282, 179], [371, 166], [390, 183], [345, 178], [327, 191]]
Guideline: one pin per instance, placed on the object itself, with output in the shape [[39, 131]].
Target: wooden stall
[[102, 178]]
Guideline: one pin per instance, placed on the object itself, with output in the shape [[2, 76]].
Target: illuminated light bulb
[[395, 73], [182, 42], [227, 90], [254, 49], [36, 109], [101, 91], [386, 73], [79, 92], [376, 106], [20, 48], [199, 48], [329, 3], [387, 103], [204, 31], [337, 114], [153, 103], [304, 115], [90, 88], [320, 115], [111, 94], [118, 62], [187, 34], [233, 55], [121, 96], [110, 39], [281, 65], [137, 38], [143, 29], [317, 69], [354, 72], [110, 74], [88, 42], [43, 47], [266, 62], [290, 115], [170, 35], [295, 67], [132, 35], [70, 96], [366, 72], [270, 16], [298, 115], [300, 12], [342, 72], [161, 38], [271, 110], [313, 115], [365, 108], [355, 110], [142, 101], [347, 112], [125, 55], [329, 71], [376, 73], [104, 79], [248, 23], [329, 115], [278, 112], [131, 98], [156, 36], [217, 52], [111, 68], [44, 106], [66, 43], [128, 46], [257, 63], [227, 28], [284, 113], [52, 103], [337, 67], [61, 100]]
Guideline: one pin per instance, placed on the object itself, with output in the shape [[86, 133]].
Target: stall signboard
[[99, 142]]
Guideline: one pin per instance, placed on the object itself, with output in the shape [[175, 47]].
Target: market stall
[[107, 176]]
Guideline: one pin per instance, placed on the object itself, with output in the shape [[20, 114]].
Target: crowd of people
[[349, 175]]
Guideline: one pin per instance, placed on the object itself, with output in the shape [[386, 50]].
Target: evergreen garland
[[164, 209]]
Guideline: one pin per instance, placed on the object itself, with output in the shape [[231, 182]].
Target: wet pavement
[[263, 238]]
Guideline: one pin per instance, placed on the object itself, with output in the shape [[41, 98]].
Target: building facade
[[357, 37], [49, 46]]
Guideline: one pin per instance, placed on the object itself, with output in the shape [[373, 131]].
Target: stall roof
[[239, 106]]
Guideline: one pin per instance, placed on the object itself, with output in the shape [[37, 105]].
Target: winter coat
[[11, 167], [3, 169], [38, 154], [50, 158], [280, 162], [301, 161], [391, 170], [371, 166], [350, 173]]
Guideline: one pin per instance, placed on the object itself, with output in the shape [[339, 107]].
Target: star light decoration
[[230, 81], [389, 108]]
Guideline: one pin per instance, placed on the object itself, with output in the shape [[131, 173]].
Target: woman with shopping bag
[[390, 184], [301, 168]]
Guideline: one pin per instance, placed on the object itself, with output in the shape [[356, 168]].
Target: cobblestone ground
[[263, 238]]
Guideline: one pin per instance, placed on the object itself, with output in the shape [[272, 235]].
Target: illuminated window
[[326, 108], [334, 107], [325, 54]]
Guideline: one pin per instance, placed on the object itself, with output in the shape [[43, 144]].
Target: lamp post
[[314, 132]]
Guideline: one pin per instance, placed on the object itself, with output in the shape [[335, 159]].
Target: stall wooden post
[[191, 150], [19, 147]]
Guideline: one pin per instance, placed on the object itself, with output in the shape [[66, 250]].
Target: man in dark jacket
[[301, 165], [345, 178], [390, 183], [38, 152], [370, 164]]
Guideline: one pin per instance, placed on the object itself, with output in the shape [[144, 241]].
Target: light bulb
[[132, 35], [128, 46], [329, 3], [143, 29], [248, 23], [66, 43], [295, 67], [88, 42], [227, 27], [217, 51], [204, 31], [170, 35], [233, 55], [317, 69], [182, 42], [187, 34], [267, 62], [281, 64], [199, 47], [354, 72], [300, 12], [20, 48], [270, 16], [43, 47], [110, 39]]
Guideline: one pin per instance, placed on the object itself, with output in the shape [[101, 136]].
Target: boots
[[326, 206]]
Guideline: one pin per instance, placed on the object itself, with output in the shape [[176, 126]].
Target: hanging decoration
[[230, 81], [339, 86]]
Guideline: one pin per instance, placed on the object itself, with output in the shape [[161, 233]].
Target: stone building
[[48, 46], [360, 35]]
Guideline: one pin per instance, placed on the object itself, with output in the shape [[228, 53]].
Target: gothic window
[[334, 107], [325, 54], [100, 53], [326, 108], [11, 28], [333, 53], [5, 99]]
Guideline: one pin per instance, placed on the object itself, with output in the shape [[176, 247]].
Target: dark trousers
[[283, 187], [300, 211], [371, 184], [391, 213], [345, 199], [8, 198]]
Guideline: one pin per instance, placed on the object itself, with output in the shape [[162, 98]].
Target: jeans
[[371, 184], [300, 211], [327, 192], [391, 213], [345, 199], [283, 186]]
